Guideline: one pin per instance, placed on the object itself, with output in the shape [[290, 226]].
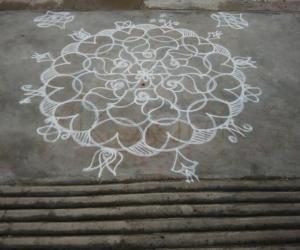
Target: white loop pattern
[[144, 89], [56, 19]]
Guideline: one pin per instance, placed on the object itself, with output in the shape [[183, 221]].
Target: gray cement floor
[[270, 150]]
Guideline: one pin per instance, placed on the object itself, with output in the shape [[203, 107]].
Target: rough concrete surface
[[211, 214], [240, 5], [271, 150], [237, 5], [71, 4]]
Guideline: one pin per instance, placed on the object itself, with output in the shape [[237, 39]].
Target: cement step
[[253, 214], [148, 199]]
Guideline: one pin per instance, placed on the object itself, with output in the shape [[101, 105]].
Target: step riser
[[156, 240], [149, 226], [149, 199], [149, 187]]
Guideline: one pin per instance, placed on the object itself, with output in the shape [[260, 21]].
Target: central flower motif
[[144, 89], [144, 75]]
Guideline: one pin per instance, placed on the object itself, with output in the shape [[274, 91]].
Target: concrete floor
[[271, 150]]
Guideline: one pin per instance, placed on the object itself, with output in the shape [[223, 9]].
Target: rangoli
[[144, 89]]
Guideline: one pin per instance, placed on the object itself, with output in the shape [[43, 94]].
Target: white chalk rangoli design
[[234, 21], [45, 57], [51, 18], [144, 89]]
